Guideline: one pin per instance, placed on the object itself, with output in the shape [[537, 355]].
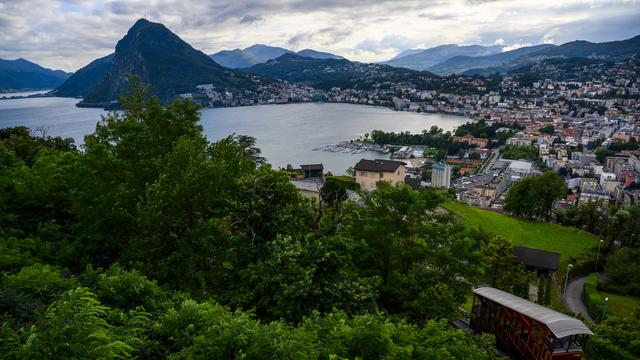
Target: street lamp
[[598, 255], [566, 280], [604, 308]]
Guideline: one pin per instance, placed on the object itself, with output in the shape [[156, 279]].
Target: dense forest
[[153, 242]]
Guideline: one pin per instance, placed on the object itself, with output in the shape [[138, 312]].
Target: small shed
[[544, 262], [312, 171]]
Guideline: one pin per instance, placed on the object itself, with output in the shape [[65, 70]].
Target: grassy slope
[[567, 241], [621, 305]]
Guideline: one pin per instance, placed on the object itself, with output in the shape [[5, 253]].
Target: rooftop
[[559, 324], [537, 258], [378, 165], [312, 167]]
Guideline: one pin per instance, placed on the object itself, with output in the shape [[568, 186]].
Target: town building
[[441, 175], [370, 172], [471, 140]]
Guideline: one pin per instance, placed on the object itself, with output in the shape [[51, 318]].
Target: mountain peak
[[162, 60]]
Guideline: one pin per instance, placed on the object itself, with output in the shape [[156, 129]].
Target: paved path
[[573, 300]]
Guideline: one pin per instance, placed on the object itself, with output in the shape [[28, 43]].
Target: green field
[[567, 241], [620, 305]]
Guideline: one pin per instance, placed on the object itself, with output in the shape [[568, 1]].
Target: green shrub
[[40, 281], [594, 302], [599, 348]]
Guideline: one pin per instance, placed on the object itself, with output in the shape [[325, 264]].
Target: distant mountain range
[[483, 60], [423, 59], [23, 74], [460, 64], [170, 66], [575, 49], [163, 61], [258, 54]]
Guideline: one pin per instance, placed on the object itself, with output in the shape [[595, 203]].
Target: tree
[[623, 270], [75, 326], [534, 196], [122, 157], [549, 129], [425, 263]]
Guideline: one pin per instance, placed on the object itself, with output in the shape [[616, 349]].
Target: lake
[[287, 134]]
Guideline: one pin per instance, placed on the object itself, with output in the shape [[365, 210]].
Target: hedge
[[593, 300]]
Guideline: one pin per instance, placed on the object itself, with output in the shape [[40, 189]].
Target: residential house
[[370, 172]]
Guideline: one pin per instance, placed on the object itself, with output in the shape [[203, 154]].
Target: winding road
[[573, 300]]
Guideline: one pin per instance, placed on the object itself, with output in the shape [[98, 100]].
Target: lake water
[[287, 134]]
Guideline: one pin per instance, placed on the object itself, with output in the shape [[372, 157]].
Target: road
[[573, 300]]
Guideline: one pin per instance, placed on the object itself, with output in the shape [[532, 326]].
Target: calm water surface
[[287, 134]]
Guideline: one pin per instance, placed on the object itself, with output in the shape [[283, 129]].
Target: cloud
[[499, 42], [515, 46], [296, 39], [69, 34], [250, 19]]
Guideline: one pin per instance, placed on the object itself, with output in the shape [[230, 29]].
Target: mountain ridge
[[22, 74], [165, 63], [260, 53], [427, 58]]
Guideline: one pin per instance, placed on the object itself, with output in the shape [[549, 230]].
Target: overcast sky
[[67, 34]]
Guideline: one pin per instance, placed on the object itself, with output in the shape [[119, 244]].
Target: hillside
[[460, 64], [328, 73], [427, 58], [85, 79], [21, 74], [611, 50], [163, 61], [259, 53], [567, 241]]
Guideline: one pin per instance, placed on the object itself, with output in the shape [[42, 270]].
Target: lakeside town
[[586, 131]]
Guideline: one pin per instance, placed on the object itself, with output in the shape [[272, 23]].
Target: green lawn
[[567, 241], [621, 305]]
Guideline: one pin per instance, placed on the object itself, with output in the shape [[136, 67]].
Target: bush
[[599, 348], [593, 300], [44, 282], [623, 269], [128, 289]]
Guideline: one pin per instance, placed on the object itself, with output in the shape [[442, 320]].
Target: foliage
[[623, 270], [533, 197], [615, 338], [434, 137], [519, 152], [549, 129], [416, 251], [43, 282], [75, 326], [497, 130], [602, 153], [594, 303], [501, 271], [140, 245]]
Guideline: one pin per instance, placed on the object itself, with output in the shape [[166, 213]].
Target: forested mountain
[[163, 61], [328, 73], [427, 58], [22, 74], [460, 64], [258, 54], [86, 79]]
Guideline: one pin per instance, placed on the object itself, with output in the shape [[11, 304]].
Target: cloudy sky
[[67, 34]]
